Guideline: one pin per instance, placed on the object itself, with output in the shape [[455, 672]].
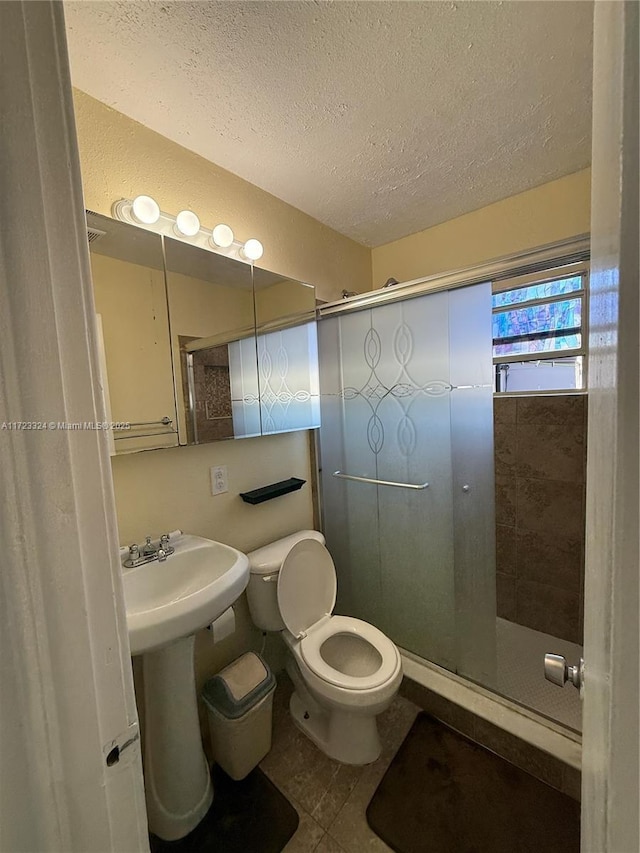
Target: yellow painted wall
[[545, 214], [201, 309], [121, 159], [282, 300], [161, 490]]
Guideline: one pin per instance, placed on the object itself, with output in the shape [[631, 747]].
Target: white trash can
[[239, 702]]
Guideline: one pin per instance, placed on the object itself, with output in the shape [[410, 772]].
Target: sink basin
[[175, 598]]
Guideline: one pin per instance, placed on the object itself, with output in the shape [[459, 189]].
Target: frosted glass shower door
[[387, 400]]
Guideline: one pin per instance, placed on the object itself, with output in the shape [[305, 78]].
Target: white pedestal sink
[[167, 602]]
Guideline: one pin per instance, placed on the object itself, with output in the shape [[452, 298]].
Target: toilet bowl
[[345, 671]]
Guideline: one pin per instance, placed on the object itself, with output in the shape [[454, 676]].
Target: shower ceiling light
[[145, 212]]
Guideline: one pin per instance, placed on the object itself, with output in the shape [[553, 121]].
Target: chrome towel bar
[[342, 476], [164, 422]]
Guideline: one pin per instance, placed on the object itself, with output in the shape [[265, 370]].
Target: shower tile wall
[[540, 462], [212, 393]]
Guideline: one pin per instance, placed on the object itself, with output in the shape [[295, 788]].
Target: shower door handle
[[557, 671], [342, 476]]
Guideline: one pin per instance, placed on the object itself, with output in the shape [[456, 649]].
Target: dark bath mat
[[250, 816], [443, 793]]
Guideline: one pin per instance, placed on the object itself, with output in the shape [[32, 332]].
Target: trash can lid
[[239, 686]]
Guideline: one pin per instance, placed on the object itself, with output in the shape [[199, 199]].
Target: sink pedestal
[[177, 781]]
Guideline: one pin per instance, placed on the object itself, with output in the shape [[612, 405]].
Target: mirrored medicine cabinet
[[198, 346]]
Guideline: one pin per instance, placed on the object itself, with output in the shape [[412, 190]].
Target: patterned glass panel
[[537, 291], [245, 399], [409, 431], [289, 380], [539, 328], [473, 481]]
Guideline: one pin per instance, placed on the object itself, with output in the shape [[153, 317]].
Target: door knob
[[557, 671]]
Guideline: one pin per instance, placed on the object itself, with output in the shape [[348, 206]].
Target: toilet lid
[[306, 586]]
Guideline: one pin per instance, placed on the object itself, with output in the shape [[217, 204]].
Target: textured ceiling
[[377, 118]]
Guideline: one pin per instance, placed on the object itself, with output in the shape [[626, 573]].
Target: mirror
[[212, 322], [199, 347], [287, 353], [131, 302]]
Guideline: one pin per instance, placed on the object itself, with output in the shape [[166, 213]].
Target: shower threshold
[[521, 673], [540, 731]]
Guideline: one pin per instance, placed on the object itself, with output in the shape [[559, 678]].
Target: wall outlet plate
[[219, 481]]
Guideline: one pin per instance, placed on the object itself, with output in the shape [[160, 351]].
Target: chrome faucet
[[149, 552]]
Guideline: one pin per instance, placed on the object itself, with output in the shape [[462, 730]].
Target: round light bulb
[[222, 236], [253, 249], [187, 223], [145, 210]]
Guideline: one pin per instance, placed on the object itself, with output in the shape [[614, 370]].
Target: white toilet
[[345, 671]]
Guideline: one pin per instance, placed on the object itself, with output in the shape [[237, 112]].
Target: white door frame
[[66, 688], [610, 762]]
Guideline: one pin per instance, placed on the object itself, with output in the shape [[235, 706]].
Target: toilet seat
[[307, 588], [311, 645]]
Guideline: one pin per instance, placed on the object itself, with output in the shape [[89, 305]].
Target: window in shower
[[539, 334]]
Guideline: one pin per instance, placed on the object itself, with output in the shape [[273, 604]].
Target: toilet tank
[[262, 591]]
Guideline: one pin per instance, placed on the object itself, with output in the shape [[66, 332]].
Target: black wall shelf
[[267, 493]]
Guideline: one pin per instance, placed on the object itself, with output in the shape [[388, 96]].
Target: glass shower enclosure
[[408, 474]]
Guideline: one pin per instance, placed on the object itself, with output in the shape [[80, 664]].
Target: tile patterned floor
[[330, 798]]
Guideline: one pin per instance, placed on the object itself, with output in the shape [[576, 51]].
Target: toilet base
[[343, 736]]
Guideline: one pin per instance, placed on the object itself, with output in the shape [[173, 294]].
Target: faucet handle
[[134, 552], [164, 549], [148, 548]]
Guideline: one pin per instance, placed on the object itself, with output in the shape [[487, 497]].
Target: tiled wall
[[212, 389], [540, 459]]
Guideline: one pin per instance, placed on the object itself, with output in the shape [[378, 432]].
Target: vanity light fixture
[[187, 224], [222, 236], [252, 250], [145, 212]]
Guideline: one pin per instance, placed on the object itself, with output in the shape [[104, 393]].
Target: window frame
[[556, 273]]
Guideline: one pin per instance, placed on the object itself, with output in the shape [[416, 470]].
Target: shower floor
[[521, 672]]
